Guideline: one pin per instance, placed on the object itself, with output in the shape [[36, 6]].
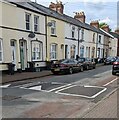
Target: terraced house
[[23, 38], [36, 35]]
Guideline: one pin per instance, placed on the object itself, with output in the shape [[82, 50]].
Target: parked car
[[109, 60], [115, 67], [88, 63], [66, 66]]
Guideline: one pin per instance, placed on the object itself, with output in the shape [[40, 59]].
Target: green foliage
[[102, 24]]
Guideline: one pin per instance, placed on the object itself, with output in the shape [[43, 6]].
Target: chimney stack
[[117, 31], [58, 7], [95, 24], [105, 28], [80, 16], [52, 6]]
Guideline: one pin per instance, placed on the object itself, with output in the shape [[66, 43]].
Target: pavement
[[106, 108], [24, 76]]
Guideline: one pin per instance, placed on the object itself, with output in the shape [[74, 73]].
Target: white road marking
[[110, 82], [35, 88], [99, 93], [92, 86], [59, 92], [5, 86], [59, 87], [65, 88]]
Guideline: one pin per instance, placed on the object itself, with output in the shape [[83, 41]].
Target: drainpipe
[[96, 45], [78, 39], [46, 34]]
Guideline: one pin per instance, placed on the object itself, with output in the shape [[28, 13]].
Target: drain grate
[[10, 97]]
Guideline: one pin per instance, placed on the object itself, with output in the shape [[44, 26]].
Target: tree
[[104, 24]]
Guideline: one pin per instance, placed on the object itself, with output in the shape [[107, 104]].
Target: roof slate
[[47, 11], [66, 18], [115, 35]]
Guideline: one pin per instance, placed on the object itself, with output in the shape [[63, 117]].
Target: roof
[[115, 35], [33, 6], [27, 6], [64, 17], [107, 34]]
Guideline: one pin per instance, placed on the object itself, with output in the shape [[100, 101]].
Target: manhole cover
[[10, 97], [82, 91]]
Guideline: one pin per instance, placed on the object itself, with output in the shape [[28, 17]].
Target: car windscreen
[[110, 58], [81, 60], [117, 60], [61, 61]]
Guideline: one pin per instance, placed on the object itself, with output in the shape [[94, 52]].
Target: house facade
[[36, 34], [114, 44], [55, 31], [23, 36]]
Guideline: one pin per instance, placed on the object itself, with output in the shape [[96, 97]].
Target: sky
[[101, 10]]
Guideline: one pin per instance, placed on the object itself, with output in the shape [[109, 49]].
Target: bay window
[[36, 50]]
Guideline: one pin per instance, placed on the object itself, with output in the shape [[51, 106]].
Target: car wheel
[[70, 70], [87, 67], [55, 73], [113, 73], [94, 67], [81, 69]]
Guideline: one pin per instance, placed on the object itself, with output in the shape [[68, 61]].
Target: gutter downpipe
[[46, 35], [96, 45], [79, 28]]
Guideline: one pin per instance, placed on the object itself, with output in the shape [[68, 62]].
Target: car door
[[76, 65], [90, 63]]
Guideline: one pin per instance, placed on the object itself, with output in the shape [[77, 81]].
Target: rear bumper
[[60, 70], [115, 70]]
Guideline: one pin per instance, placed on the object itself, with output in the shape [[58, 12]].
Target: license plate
[[57, 69]]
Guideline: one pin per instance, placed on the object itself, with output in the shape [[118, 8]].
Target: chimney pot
[[80, 16], [95, 24], [59, 7]]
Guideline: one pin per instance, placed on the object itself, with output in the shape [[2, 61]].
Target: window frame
[[36, 50], [93, 37], [28, 22], [36, 19], [1, 50], [53, 27], [73, 32], [82, 34], [53, 52], [99, 41]]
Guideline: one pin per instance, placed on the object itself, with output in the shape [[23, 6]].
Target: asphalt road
[[87, 87]]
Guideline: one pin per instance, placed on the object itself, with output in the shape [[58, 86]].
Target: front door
[[13, 51], [23, 54]]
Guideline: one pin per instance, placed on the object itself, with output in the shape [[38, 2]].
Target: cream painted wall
[[18, 21], [113, 45], [9, 15], [59, 40]]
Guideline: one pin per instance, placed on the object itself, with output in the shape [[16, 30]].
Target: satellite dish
[[31, 35]]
